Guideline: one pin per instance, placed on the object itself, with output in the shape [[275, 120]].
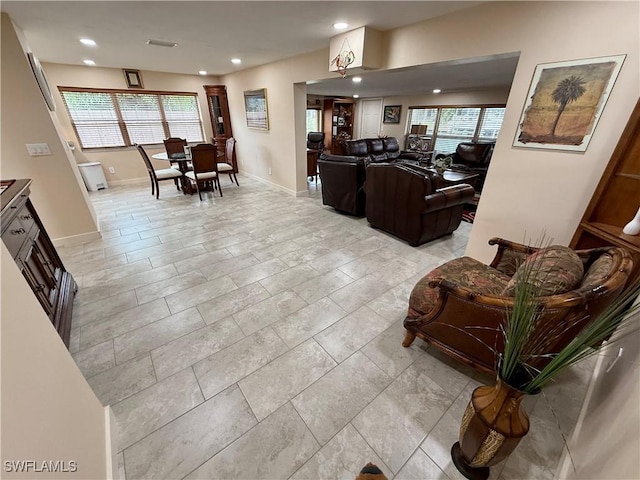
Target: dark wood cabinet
[[26, 239], [338, 123], [616, 199], [219, 113]]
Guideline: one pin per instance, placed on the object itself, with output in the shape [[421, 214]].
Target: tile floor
[[257, 336]]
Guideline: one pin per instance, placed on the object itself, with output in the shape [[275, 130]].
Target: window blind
[[104, 119], [449, 126], [94, 118]]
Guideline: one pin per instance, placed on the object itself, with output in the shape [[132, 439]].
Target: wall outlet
[[269, 170], [112, 170]]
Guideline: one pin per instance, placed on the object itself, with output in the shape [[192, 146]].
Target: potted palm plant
[[494, 421]]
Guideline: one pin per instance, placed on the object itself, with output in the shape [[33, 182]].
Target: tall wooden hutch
[[219, 113], [338, 122], [616, 199]]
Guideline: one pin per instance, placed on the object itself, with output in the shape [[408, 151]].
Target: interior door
[[371, 118]]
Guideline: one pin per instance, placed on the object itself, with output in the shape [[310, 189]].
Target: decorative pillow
[[598, 271], [553, 270]]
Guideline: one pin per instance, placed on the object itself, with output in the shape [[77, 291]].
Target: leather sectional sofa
[[378, 150]]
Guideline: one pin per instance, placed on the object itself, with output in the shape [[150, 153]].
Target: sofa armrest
[[448, 197]]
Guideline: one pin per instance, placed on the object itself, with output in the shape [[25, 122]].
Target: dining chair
[[230, 165], [204, 158], [174, 146], [158, 175]]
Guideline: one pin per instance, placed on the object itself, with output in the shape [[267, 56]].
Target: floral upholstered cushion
[[598, 271], [463, 271], [553, 270]]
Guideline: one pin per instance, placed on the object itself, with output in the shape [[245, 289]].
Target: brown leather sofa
[[402, 199], [342, 182], [472, 157], [460, 306], [379, 150]]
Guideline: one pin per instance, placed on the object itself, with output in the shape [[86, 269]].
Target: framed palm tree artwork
[[565, 102]]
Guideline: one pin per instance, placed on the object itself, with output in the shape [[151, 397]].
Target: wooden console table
[[26, 239]]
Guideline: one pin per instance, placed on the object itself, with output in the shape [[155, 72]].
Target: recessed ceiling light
[[202, 72], [436, 90], [88, 62], [88, 41], [356, 79], [236, 61], [340, 25], [356, 96], [161, 43]]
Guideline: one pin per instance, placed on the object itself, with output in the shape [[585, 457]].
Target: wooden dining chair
[[175, 146], [157, 176], [204, 158], [230, 165]]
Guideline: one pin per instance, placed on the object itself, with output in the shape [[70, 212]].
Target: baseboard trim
[[110, 444], [76, 239], [295, 193], [128, 181]]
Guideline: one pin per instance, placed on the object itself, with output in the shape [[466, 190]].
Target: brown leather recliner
[[460, 306], [342, 182], [472, 157], [402, 200]]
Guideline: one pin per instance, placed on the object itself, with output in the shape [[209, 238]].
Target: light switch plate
[[38, 149]]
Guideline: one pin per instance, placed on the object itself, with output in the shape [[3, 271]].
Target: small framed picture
[[392, 113], [133, 78]]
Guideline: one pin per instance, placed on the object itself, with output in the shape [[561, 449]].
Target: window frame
[[434, 137], [120, 120]]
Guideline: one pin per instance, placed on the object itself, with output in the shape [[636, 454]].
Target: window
[[117, 118], [449, 126], [313, 120]]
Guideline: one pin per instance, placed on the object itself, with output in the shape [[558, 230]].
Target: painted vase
[[633, 227], [492, 426]]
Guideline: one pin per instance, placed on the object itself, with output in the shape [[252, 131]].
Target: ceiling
[[210, 33]]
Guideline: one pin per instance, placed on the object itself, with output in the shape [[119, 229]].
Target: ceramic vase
[[633, 227], [492, 426]]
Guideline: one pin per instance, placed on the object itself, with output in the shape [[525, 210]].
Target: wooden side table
[[312, 163]]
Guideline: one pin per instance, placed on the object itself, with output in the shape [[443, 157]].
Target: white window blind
[[490, 124], [449, 126], [423, 116], [456, 125], [183, 116], [94, 118], [108, 118]]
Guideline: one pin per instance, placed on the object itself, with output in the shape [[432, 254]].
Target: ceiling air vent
[[161, 43]]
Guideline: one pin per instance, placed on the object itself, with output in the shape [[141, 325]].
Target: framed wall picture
[[41, 79], [255, 105], [392, 113], [565, 102], [133, 78]]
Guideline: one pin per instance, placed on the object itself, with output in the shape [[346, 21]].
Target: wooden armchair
[[459, 306]]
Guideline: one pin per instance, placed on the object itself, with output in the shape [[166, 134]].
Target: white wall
[[57, 190], [280, 148], [49, 412], [534, 190], [126, 161]]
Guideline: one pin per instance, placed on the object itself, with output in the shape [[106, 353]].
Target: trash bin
[[93, 176]]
